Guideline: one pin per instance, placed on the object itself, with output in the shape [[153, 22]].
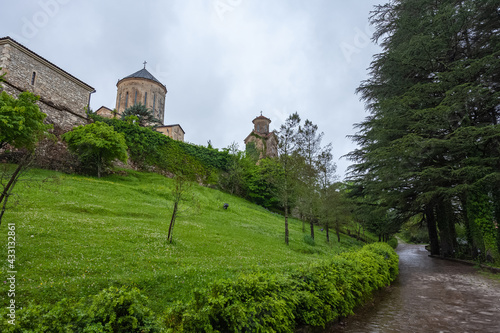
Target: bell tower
[[261, 125]]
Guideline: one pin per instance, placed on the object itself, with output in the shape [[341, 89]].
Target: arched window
[[126, 100], [145, 98], [154, 101], [33, 77], [135, 99]]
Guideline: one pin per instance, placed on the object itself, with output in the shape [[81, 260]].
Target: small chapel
[[262, 139], [142, 87]]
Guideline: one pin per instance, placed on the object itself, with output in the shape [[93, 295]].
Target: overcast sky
[[222, 61]]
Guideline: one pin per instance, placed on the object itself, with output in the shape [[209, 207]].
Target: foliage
[[415, 231], [150, 149], [393, 242], [96, 145], [21, 121], [309, 240], [142, 114], [21, 126], [314, 295], [179, 191], [284, 180], [259, 302], [112, 310], [71, 254], [432, 134]]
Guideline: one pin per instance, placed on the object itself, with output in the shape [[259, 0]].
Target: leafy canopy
[[21, 121], [145, 116], [97, 144]]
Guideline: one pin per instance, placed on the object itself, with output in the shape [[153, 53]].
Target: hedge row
[[314, 296], [261, 302], [112, 310]]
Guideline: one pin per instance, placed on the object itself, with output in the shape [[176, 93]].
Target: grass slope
[[77, 235]]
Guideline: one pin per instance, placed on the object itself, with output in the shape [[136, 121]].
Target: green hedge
[[315, 295], [112, 310]]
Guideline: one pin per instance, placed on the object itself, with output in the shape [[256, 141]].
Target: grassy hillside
[[77, 235]]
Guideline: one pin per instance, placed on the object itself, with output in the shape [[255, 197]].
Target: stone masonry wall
[[62, 97], [174, 131], [141, 86]]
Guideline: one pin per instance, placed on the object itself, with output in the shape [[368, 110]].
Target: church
[[261, 139], [65, 98], [143, 88]]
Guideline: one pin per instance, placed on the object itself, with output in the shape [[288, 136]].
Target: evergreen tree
[[433, 95], [285, 180]]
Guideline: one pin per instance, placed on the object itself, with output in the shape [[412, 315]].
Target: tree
[[285, 180], [181, 185], [309, 141], [232, 180], [432, 135], [96, 145], [331, 211], [21, 121], [21, 126], [145, 115]]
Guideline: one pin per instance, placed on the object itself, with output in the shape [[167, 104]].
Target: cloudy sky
[[222, 61]]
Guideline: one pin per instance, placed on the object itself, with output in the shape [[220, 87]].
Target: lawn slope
[[77, 235]]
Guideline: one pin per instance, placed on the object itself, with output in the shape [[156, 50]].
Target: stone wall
[[173, 131], [62, 97], [155, 99], [266, 145]]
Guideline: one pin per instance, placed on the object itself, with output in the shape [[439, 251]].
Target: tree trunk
[[446, 228], [286, 224], [172, 221], [432, 229], [11, 182], [337, 230], [327, 234], [312, 229], [303, 222]]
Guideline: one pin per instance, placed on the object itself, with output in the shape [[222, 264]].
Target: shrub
[[261, 302], [393, 242], [112, 310], [150, 149], [309, 240], [314, 295], [96, 145]]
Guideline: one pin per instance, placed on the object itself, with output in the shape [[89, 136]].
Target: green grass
[[77, 235]]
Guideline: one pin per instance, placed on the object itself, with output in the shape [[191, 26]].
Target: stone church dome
[[141, 87]]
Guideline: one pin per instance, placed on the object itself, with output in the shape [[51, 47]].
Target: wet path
[[431, 295]]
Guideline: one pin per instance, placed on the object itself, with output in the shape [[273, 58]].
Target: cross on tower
[[145, 62]]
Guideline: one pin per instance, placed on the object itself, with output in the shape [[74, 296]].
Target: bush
[[393, 242], [309, 240], [262, 302], [112, 310], [150, 149], [96, 145], [314, 296]]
